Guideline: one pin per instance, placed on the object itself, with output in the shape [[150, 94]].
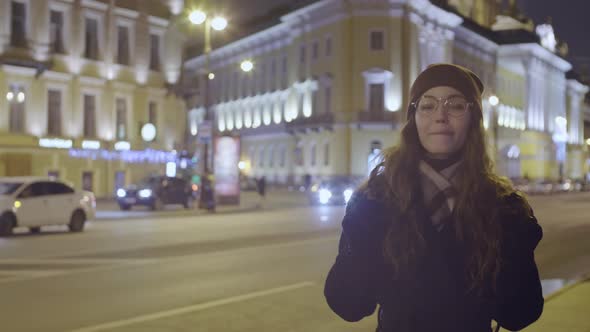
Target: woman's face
[[442, 127]]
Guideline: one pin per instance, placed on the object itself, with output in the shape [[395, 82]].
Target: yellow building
[[79, 79], [330, 84]]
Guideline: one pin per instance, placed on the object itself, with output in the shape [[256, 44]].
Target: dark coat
[[435, 298]]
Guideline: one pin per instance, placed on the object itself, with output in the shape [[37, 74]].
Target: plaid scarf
[[439, 192]]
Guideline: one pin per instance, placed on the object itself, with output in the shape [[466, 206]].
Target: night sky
[[571, 22]]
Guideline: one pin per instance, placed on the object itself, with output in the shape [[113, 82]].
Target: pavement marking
[[94, 265], [193, 308]]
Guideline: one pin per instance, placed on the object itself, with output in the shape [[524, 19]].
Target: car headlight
[[121, 193], [347, 194], [325, 196], [145, 193]]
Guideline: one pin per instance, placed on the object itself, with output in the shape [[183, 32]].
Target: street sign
[[205, 132]]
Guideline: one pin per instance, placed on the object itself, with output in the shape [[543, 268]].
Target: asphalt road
[[259, 270]]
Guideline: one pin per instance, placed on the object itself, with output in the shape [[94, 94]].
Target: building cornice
[[128, 13], [577, 87], [95, 5], [535, 50]]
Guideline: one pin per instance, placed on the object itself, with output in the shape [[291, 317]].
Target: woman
[[434, 237]]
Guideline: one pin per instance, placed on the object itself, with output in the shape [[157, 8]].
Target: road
[[245, 271]]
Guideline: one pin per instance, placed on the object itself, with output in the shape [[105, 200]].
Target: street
[[255, 270]]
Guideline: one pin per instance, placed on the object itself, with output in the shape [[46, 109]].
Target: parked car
[[156, 192], [333, 191], [35, 202]]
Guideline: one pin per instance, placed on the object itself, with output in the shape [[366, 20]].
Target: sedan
[[35, 202]]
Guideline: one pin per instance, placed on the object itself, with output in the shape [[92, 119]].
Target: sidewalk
[[566, 310], [275, 199]]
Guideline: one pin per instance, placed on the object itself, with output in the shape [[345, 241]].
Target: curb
[[575, 283]]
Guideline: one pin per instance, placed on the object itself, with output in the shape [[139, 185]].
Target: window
[[262, 78], [377, 40], [283, 156], [312, 154], [33, 190], [89, 116], [298, 154], [328, 46], [376, 98], [327, 154], [154, 52], [56, 188], [54, 112], [315, 50], [123, 45], [271, 157], [87, 181], [56, 30], [252, 156], [302, 54], [284, 72], [273, 74], [16, 101], [91, 46], [18, 31], [261, 157], [328, 99], [153, 113], [121, 125]]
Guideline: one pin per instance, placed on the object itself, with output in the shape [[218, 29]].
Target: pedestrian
[[307, 181], [435, 238], [261, 188], [207, 200]]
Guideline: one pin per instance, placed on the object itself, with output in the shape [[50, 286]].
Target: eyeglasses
[[454, 106]]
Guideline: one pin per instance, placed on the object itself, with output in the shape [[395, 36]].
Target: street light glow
[[494, 100], [211, 76], [247, 65], [218, 23], [10, 96], [588, 141], [197, 17]]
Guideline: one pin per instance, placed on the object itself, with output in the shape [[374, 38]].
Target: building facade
[[330, 85], [79, 79]]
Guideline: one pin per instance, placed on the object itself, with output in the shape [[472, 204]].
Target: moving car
[[35, 202], [333, 191], [156, 192]]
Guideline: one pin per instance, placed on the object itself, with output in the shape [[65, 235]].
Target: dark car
[[333, 191], [156, 192]]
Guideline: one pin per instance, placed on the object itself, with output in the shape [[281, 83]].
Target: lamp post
[[198, 17], [494, 101]]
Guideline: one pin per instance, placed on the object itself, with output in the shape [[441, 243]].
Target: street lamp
[[494, 101], [246, 65], [218, 23]]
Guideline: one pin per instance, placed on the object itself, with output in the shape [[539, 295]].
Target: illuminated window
[[89, 116], [16, 97], [54, 112], [121, 118], [56, 31]]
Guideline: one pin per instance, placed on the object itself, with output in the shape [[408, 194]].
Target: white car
[[34, 202]]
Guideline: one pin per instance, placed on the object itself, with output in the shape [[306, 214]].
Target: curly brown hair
[[474, 215]]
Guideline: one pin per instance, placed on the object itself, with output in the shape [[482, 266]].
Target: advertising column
[[227, 172]]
